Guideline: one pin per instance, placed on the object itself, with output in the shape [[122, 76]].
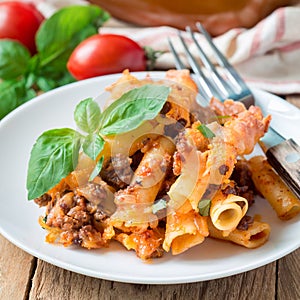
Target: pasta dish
[[156, 171]]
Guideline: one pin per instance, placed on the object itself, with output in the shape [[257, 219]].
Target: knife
[[284, 156]]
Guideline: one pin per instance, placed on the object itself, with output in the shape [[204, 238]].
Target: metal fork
[[230, 85]]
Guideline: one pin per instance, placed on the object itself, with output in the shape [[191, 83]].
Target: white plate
[[19, 217]]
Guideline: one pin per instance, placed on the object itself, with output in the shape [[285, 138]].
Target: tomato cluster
[[97, 55]]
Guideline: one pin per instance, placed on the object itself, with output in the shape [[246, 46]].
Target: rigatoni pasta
[[226, 212], [171, 182], [271, 186], [256, 234]]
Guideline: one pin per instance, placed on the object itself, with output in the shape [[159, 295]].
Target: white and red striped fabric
[[267, 55]]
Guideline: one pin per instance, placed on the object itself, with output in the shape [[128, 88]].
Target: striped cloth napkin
[[267, 56]]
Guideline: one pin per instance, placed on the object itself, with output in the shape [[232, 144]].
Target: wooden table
[[23, 276]]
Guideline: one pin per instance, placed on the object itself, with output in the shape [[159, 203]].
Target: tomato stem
[[152, 56]]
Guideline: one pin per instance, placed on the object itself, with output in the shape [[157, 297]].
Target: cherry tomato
[[103, 54], [20, 21]]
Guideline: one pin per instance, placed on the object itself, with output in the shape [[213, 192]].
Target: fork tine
[[178, 62], [180, 65], [223, 62], [204, 83], [219, 81]]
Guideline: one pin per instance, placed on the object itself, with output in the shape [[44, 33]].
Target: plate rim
[[129, 279]]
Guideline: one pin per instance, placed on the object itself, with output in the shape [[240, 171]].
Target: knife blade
[[284, 156]]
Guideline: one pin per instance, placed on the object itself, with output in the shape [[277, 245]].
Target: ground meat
[[136, 159], [42, 200], [80, 215], [244, 184], [242, 175], [245, 222], [118, 172], [230, 189], [173, 129], [93, 192], [76, 216], [100, 215], [67, 202], [223, 169], [182, 144], [166, 108], [211, 191]]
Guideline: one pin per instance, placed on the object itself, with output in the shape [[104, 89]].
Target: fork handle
[[285, 159]]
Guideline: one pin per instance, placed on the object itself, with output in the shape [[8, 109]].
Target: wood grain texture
[[16, 267], [50, 282], [289, 277]]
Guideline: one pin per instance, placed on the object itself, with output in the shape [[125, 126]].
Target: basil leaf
[[97, 169], [93, 145], [45, 83], [204, 207], [87, 115], [64, 30], [13, 93], [206, 131], [132, 108], [48, 81], [14, 59], [52, 158]]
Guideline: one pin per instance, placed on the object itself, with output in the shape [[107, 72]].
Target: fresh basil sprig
[[87, 115], [56, 38], [134, 107], [53, 157], [55, 153]]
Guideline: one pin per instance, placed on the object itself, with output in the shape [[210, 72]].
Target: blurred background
[[217, 16]]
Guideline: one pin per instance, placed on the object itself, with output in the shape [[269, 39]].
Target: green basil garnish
[[55, 153], [132, 108], [93, 145], [53, 157], [204, 207], [97, 169], [206, 131], [87, 115]]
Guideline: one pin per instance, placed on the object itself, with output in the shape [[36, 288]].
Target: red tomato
[[103, 54], [20, 21]]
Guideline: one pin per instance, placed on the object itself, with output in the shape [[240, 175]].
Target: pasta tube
[[270, 185], [134, 204], [227, 211], [255, 236], [184, 230]]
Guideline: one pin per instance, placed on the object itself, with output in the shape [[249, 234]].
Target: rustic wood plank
[[289, 277], [16, 267], [51, 282]]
